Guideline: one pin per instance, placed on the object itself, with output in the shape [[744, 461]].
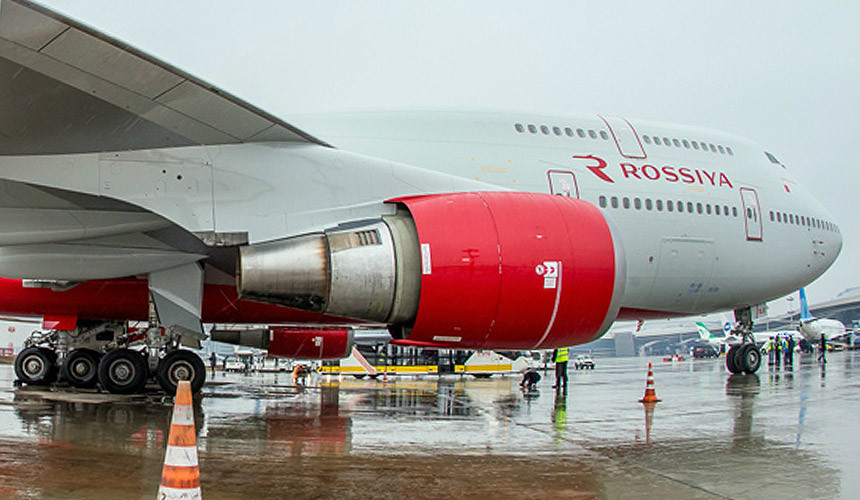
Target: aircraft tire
[[123, 371], [81, 368], [748, 358], [180, 365], [732, 360], [36, 366]]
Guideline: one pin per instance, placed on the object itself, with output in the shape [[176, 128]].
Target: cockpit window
[[773, 159]]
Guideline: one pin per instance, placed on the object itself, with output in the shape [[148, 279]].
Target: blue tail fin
[[804, 307]]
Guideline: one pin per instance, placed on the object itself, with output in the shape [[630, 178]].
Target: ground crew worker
[[789, 354], [560, 355], [777, 350], [530, 379], [822, 346], [768, 347]]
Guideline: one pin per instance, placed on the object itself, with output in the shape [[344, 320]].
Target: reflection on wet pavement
[[784, 433]]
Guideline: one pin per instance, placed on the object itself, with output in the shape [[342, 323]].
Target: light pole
[[790, 300]]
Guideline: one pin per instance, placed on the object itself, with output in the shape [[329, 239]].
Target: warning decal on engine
[[549, 270], [426, 266]]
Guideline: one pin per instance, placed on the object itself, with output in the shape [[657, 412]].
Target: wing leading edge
[[69, 88]]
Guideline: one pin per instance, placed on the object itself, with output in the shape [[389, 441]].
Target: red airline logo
[[597, 169], [666, 173]]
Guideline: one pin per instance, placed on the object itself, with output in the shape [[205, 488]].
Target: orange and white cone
[[650, 395], [180, 476]]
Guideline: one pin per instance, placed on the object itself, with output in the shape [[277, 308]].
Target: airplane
[[813, 328], [717, 341], [132, 191]]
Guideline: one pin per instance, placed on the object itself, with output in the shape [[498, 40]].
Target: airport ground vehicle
[[583, 362], [175, 202]]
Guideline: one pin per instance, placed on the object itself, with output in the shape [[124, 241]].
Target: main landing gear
[[746, 356], [119, 359]]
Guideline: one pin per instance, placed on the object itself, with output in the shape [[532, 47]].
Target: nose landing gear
[[746, 356]]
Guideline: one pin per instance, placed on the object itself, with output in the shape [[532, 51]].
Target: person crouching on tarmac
[[530, 379], [560, 355]]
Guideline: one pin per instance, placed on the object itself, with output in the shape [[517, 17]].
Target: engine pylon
[[650, 395]]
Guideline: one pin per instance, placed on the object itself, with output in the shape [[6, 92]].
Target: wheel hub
[[182, 371], [34, 366], [121, 372], [81, 368]]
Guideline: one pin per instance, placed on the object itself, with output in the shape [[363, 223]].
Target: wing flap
[[62, 84]]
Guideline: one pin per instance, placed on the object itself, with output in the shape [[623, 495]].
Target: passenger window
[[690, 207], [729, 151], [716, 209], [648, 204], [704, 147], [722, 150], [686, 143], [735, 211], [646, 139], [699, 208], [659, 204], [726, 210], [637, 203], [614, 202], [676, 142], [749, 213], [544, 129], [592, 134], [680, 206], [532, 129], [772, 218], [778, 217], [519, 127], [568, 131], [657, 140], [580, 133], [556, 131], [708, 209], [666, 141], [695, 145], [713, 149], [602, 201], [626, 202], [604, 135]]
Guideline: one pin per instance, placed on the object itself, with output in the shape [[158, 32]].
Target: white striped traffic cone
[[650, 395], [180, 476]]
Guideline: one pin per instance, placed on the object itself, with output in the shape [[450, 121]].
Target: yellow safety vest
[[561, 354]]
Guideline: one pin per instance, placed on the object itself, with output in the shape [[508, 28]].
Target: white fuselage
[[812, 330], [677, 261], [746, 231]]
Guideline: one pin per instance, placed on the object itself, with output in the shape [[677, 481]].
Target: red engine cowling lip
[[513, 270], [305, 343]]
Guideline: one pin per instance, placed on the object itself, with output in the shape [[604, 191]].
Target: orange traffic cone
[[650, 395], [180, 477]]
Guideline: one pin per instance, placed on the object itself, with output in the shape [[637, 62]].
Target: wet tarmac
[[786, 433]]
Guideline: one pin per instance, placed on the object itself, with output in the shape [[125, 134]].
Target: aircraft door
[[625, 137], [563, 183], [752, 214]]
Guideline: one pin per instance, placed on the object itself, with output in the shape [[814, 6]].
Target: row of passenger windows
[[708, 209], [547, 130], [697, 145], [803, 220], [668, 205]]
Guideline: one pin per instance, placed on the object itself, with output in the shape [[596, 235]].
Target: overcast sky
[[785, 74]]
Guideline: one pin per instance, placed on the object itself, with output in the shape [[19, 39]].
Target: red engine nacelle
[[304, 343], [513, 270]]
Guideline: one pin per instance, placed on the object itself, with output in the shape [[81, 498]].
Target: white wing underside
[[68, 88]]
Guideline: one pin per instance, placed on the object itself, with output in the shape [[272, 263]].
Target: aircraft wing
[[68, 88]]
